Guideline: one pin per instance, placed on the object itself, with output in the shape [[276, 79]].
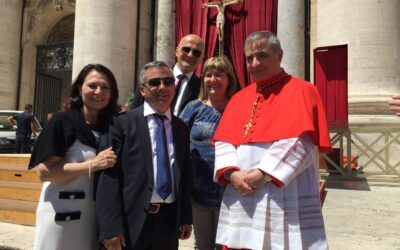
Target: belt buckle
[[154, 208]]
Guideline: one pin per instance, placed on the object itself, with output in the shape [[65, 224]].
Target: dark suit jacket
[[191, 93], [124, 191]]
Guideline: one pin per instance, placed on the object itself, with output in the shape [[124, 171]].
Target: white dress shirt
[[151, 123], [184, 85]]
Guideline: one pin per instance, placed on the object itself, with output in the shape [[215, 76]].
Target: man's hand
[[256, 179], [185, 231], [237, 179], [394, 104], [115, 243]]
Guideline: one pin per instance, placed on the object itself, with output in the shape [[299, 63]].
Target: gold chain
[[249, 124]]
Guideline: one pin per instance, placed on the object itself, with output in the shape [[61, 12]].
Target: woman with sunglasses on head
[[65, 160], [219, 83]]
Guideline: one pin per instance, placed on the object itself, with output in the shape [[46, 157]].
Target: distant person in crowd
[[65, 160], [144, 201], [219, 83], [125, 107], [267, 148], [50, 116], [26, 128], [189, 55], [394, 104]]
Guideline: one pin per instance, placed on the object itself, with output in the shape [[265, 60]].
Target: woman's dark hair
[[74, 98]]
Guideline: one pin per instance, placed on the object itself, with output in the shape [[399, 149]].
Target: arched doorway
[[54, 68]]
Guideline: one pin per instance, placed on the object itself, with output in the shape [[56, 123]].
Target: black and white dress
[[66, 215]]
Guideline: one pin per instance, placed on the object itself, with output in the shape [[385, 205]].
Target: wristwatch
[[267, 178], [228, 173]]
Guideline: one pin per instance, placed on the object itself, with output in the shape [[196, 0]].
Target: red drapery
[[330, 76], [240, 21]]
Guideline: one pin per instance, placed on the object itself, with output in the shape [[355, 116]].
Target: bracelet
[[90, 168]]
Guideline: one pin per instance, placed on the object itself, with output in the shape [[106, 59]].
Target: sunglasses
[[195, 52], [156, 82]]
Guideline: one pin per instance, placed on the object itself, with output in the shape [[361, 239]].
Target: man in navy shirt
[[26, 127]]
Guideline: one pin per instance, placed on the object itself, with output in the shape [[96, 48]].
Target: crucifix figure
[[220, 5]]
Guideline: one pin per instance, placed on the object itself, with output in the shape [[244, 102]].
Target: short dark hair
[[74, 98], [154, 64], [272, 39], [28, 106]]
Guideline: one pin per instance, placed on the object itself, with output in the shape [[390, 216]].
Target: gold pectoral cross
[[249, 124], [260, 90], [247, 128]]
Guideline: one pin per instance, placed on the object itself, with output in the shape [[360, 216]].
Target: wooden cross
[[220, 5]]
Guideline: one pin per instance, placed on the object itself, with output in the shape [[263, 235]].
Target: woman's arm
[[51, 168]]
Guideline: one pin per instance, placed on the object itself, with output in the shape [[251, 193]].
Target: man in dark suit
[[143, 202], [189, 54]]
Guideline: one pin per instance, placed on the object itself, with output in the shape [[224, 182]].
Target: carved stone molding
[[38, 8], [63, 31]]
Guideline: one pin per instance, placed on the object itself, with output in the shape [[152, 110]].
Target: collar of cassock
[[278, 78]]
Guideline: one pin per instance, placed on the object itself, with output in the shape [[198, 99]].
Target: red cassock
[[287, 108]]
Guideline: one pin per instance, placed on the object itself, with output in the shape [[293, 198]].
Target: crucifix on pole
[[220, 5]]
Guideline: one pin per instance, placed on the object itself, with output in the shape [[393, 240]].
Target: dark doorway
[[54, 68], [47, 98], [53, 77]]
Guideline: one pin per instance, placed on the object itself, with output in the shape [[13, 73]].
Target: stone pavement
[[358, 215]]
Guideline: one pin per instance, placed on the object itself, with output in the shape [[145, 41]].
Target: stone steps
[[19, 190]]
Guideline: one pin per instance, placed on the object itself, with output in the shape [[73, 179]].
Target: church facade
[[46, 42]]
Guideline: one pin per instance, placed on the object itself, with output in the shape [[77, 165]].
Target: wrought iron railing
[[54, 57]]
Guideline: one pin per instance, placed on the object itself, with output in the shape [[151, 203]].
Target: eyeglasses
[[156, 82], [195, 52]]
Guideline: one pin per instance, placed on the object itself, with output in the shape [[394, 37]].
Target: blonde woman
[[219, 83]]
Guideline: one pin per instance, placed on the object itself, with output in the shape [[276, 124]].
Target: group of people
[[241, 167]]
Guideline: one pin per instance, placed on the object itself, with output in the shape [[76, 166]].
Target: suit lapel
[[187, 93], [144, 135], [177, 146]]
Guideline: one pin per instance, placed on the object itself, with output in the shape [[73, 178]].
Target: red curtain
[[330, 77], [240, 21], [191, 18]]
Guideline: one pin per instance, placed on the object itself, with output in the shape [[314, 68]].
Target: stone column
[[105, 33], [164, 38], [145, 40], [291, 35], [371, 30], [10, 40]]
